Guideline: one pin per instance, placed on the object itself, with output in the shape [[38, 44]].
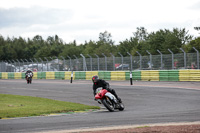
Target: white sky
[[83, 20]]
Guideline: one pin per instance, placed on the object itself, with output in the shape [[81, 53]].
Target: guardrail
[[143, 75]]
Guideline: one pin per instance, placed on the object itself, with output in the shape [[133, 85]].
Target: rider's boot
[[115, 94]]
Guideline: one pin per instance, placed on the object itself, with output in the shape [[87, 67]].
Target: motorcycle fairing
[[101, 94], [111, 96]]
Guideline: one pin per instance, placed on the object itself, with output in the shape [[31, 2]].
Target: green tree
[[194, 43], [105, 37], [166, 39]]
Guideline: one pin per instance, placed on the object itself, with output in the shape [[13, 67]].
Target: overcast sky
[[83, 20]]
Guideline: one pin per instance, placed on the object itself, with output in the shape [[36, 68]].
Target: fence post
[[105, 61], [42, 63], [18, 64], [84, 63], [161, 58], [58, 64], [131, 60], [9, 61], [70, 63], [197, 57], [37, 63], [64, 63], [122, 60], [172, 58], [90, 62], [47, 63], [76, 62], [97, 60], [32, 62], [185, 65], [51, 61], [140, 59], [15, 65], [22, 62], [150, 59], [113, 61]]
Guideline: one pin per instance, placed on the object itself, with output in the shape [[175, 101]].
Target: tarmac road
[[145, 103]]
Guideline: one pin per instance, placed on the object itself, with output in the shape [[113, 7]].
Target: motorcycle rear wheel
[[108, 104]]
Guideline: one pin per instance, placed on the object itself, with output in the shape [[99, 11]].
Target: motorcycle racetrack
[[145, 103]]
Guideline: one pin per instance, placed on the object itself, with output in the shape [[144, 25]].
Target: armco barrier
[[144, 75], [194, 75], [169, 75], [4, 75], [80, 75], [89, 74], [118, 75], [150, 75], [189, 75], [68, 76], [17, 75], [104, 75]]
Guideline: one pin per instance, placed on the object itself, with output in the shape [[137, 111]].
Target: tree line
[[53, 46]]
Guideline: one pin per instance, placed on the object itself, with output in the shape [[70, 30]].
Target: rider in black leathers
[[105, 85], [28, 71]]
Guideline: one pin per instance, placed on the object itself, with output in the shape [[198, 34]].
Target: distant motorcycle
[[29, 78], [108, 100]]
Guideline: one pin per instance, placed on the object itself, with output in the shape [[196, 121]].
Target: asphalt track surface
[[145, 103]]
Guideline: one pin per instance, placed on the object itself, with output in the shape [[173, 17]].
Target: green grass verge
[[24, 106]]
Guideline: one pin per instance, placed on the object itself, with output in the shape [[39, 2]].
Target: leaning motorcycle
[[29, 78], [108, 100]]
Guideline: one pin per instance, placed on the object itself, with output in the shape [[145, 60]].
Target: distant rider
[[105, 85], [27, 72]]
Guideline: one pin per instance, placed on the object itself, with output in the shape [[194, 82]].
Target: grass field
[[24, 106]]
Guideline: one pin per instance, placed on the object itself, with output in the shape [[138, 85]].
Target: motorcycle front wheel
[[121, 108], [108, 104]]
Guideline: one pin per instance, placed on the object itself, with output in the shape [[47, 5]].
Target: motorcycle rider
[[105, 85], [28, 71]]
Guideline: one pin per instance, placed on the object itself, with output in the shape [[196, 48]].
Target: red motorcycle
[[108, 100]]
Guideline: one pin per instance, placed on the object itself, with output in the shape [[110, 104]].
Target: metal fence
[[103, 63]]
